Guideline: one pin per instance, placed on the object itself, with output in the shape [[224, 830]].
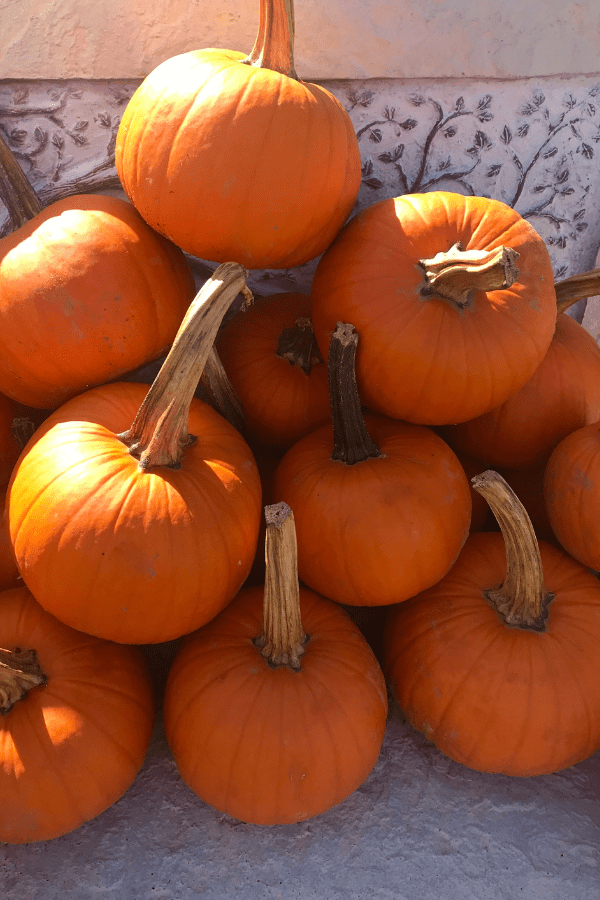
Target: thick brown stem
[[159, 435], [521, 599], [577, 287], [16, 193], [20, 672], [457, 274], [283, 639], [219, 392], [351, 440], [274, 45], [299, 347]]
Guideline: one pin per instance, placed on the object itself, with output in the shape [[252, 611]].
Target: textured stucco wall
[[337, 39]]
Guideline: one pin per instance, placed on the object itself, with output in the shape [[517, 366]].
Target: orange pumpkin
[[76, 738], [497, 664], [446, 333], [140, 532], [88, 292], [270, 355], [572, 494], [276, 714], [234, 157], [382, 508], [563, 394]]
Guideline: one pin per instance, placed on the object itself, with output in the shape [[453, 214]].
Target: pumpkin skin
[[497, 698], [133, 555], [272, 745], [377, 532], [231, 161], [9, 447], [71, 748], [572, 496], [562, 395], [423, 360], [88, 292], [281, 402]]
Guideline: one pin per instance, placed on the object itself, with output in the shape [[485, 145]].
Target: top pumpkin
[[446, 334], [233, 157]]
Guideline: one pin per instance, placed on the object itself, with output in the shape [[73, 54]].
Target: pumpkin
[[234, 157], [272, 359], [134, 516], [497, 664], [563, 394], [9, 573], [88, 292], [77, 715], [452, 297], [276, 710], [572, 494], [382, 508], [9, 444]]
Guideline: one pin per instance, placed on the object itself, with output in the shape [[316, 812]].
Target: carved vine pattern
[[536, 163]]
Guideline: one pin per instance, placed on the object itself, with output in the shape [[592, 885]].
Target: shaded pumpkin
[[274, 364], [77, 716], [453, 299], [572, 494], [563, 394]]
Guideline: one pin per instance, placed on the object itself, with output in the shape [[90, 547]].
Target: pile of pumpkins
[[431, 349]]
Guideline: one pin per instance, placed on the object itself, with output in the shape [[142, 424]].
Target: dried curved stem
[[274, 46], [159, 435], [283, 639], [20, 672], [522, 599], [455, 275], [577, 287]]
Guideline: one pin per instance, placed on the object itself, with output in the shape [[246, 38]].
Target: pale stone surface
[[420, 828], [342, 39]]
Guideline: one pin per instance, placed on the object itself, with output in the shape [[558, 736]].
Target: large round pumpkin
[[140, 532], [234, 157], [453, 300], [382, 507], [88, 292], [276, 712], [497, 664], [77, 715]]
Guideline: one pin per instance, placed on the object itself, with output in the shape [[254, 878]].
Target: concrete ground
[[420, 828]]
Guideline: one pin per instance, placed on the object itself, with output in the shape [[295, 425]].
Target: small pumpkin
[[232, 156], [453, 299], [152, 530], [497, 664], [270, 354], [88, 292], [276, 710], [382, 507], [76, 719]]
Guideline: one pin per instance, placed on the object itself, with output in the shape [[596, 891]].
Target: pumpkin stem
[[159, 435], [521, 599], [575, 288], [20, 671], [218, 391], [283, 639], [352, 442], [299, 347], [16, 193], [274, 45], [455, 276]]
